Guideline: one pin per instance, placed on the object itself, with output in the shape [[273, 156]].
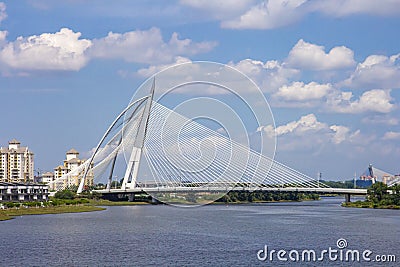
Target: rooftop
[[74, 160], [14, 142], [72, 151], [61, 167]]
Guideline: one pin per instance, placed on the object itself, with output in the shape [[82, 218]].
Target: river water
[[214, 235]]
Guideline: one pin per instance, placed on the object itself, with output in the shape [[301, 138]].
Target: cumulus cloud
[[153, 69], [376, 71], [146, 47], [267, 15], [269, 75], [313, 57], [391, 136], [303, 125], [270, 14], [309, 132], [376, 100], [63, 50], [298, 91], [340, 133], [276, 78], [66, 50]]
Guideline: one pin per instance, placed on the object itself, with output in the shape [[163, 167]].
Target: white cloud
[[270, 14], [391, 136], [298, 91], [267, 15], [308, 132], [3, 14], [146, 47], [340, 133], [303, 125], [269, 75], [376, 71], [62, 50], [310, 56], [65, 50], [153, 69], [376, 100]]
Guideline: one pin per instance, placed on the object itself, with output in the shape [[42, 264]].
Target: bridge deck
[[226, 189]]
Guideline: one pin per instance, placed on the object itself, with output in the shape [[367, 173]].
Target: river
[[214, 235]]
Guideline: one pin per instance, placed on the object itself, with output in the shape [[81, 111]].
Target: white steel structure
[[137, 131]]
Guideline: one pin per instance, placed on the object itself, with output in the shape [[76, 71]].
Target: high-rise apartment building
[[68, 172], [16, 163]]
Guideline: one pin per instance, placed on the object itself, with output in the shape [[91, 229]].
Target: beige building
[[16, 163], [70, 172], [386, 179]]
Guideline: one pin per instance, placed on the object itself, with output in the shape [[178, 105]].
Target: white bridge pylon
[[197, 157]]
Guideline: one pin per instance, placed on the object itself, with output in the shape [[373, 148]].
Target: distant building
[[45, 178], [16, 163], [386, 179], [17, 192], [70, 166]]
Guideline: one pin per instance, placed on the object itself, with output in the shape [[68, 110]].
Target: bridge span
[[347, 192], [184, 156]]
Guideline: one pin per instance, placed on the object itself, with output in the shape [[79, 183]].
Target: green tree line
[[260, 196]]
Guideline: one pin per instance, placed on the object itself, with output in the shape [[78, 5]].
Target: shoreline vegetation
[[57, 206], [379, 196], [265, 197], [67, 202]]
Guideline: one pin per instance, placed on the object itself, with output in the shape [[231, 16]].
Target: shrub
[[10, 204], [65, 194]]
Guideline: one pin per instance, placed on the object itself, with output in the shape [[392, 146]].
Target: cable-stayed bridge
[[183, 156], [374, 174]]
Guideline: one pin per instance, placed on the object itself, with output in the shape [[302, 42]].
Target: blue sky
[[329, 69]]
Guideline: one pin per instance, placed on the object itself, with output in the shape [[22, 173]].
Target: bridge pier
[[131, 197], [347, 198]]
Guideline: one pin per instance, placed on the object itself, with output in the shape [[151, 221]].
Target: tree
[[395, 196], [377, 192], [65, 194]]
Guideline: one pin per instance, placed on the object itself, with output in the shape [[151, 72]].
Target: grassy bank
[[14, 212], [56, 206]]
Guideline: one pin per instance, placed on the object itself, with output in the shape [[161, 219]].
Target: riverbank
[[369, 205], [10, 213], [90, 205]]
